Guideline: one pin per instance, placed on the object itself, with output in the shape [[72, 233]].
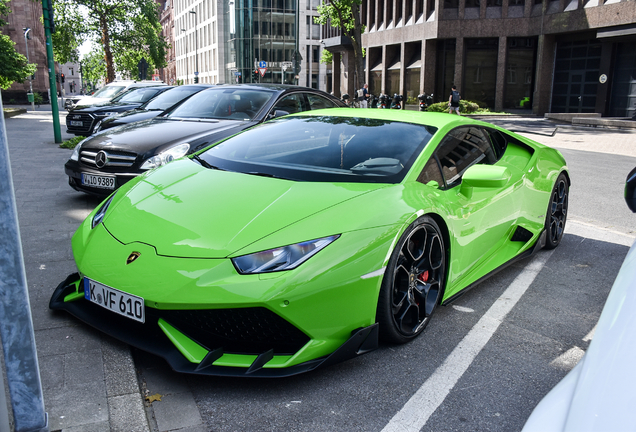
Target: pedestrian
[[363, 96], [453, 101]]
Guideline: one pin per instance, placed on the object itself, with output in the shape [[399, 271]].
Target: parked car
[[106, 161], [153, 107], [81, 120], [106, 93], [599, 393], [299, 242]]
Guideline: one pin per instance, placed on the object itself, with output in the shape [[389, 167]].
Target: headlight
[[283, 258], [97, 127], [99, 216], [166, 156], [107, 114], [76, 150]]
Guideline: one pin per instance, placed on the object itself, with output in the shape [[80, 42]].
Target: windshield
[[219, 103], [108, 91], [170, 97], [330, 149], [138, 95]]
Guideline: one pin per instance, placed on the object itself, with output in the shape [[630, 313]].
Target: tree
[[125, 30], [13, 65], [93, 67], [345, 15]]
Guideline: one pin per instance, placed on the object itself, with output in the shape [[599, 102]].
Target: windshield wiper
[[204, 163], [261, 174]]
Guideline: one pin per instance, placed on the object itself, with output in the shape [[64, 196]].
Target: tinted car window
[[138, 95], [319, 102], [236, 104], [459, 150], [333, 149], [293, 103], [169, 98], [108, 91]]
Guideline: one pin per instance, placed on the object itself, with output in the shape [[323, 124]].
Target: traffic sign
[[262, 70], [237, 74], [286, 64], [262, 65]]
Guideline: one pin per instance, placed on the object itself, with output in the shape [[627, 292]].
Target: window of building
[[480, 71]]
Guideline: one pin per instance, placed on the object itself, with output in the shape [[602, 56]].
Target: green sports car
[[303, 241]]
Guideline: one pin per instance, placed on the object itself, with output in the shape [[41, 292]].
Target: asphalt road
[[476, 367]]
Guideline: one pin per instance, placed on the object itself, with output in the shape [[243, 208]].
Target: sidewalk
[[89, 380]]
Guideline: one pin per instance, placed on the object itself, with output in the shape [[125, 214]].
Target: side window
[[431, 172], [460, 149], [318, 102], [292, 103], [500, 142]]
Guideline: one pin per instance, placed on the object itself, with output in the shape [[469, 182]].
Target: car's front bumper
[[152, 337], [74, 171]]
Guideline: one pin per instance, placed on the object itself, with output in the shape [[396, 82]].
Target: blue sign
[[262, 64], [237, 74]]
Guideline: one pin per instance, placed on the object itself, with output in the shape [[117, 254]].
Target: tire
[[413, 283], [557, 212]]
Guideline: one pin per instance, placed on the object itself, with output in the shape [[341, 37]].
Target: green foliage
[[37, 98], [70, 144], [93, 67], [124, 31], [13, 65], [465, 107], [326, 57]]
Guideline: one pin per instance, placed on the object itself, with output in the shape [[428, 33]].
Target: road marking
[[414, 415]]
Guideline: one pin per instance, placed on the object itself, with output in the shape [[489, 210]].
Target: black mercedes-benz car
[[82, 120], [153, 107], [107, 160]]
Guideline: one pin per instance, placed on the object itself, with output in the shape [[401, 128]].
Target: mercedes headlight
[[282, 258], [76, 150], [99, 216], [166, 156]]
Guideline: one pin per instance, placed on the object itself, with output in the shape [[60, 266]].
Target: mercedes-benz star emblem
[[132, 257], [101, 159]]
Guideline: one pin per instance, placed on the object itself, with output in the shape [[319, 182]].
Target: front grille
[[242, 331], [113, 158], [86, 119]]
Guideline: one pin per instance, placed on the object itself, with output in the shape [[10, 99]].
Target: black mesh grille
[[87, 122], [244, 331]]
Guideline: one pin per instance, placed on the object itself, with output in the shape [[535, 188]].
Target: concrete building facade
[[529, 55]]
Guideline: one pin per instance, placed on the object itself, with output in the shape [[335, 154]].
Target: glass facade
[[260, 30], [576, 72], [480, 71], [520, 73]]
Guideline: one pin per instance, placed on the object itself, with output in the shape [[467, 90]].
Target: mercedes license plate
[[114, 300], [76, 123], [102, 182]]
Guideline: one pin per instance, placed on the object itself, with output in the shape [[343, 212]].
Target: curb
[[12, 112]]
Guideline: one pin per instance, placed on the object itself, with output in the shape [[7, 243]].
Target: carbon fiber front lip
[[150, 338]]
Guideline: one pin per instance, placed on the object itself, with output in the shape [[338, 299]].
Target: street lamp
[[27, 30], [196, 48], [186, 54]]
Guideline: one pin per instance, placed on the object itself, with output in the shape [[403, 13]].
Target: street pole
[[27, 30], [49, 58], [16, 325], [196, 48], [186, 55]]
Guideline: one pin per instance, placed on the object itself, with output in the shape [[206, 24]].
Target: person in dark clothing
[[453, 101]]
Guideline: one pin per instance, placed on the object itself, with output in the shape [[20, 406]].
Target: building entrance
[[576, 74]]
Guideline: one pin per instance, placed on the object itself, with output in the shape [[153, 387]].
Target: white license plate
[[98, 181], [114, 300], [76, 123]]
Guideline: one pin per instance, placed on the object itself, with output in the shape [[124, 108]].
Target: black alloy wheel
[[557, 212], [413, 282]]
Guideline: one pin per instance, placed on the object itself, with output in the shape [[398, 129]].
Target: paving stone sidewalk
[[89, 380]]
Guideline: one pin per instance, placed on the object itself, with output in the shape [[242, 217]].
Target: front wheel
[[413, 282], [557, 212]]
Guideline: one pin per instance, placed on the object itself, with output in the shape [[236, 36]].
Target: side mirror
[[630, 190], [483, 176], [277, 113]]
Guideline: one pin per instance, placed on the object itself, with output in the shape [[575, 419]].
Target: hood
[[90, 100], [132, 116], [157, 134], [185, 210], [104, 106]]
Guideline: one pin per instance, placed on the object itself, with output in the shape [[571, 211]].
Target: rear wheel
[[413, 282], [557, 212]]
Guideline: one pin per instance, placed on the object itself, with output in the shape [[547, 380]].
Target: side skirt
[[540, 243]]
